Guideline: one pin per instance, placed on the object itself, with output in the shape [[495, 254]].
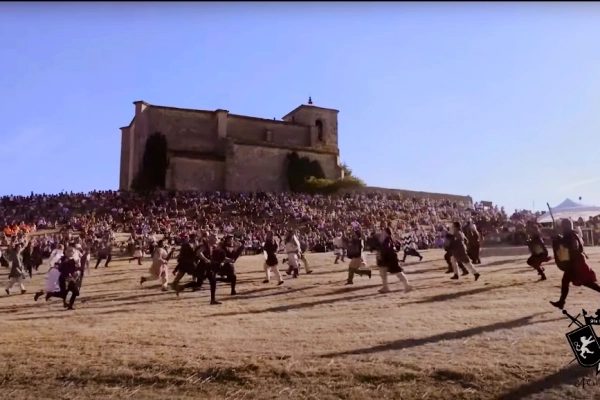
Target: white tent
[[570, 209]]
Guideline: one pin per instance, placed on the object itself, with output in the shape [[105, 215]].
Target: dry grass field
[[312, 338]]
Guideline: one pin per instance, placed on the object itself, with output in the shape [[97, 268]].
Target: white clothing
[[337, 246], [293, 246], [18, 280], [52, 281], [55, 257]]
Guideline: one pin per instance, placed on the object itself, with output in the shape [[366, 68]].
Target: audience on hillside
[[246, 216]]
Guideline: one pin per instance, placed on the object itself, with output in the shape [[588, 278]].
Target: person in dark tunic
[[388, 262], [448, 256], [355, 249], [17, 269], [186, 263], [473, 243], [204, 268], [225, 256], [27, 260], [105, 253], [67, 281], [570, 257], [539, 253], [458, 249], [37, 256], [269, 248]]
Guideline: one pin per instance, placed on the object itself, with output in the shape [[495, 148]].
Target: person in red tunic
[[570, 258]]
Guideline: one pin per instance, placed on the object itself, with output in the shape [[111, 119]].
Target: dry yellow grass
[[312, 338]]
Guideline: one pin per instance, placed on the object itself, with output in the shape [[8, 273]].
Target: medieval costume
[[539, 253], [570, 258], [458, 249], [410, 247], [292, 249], [473, 243], [303, 250], [387, 260], [67, 281], [186, 263], [27, 260], [270, 247], [204, 268], [225, 257], [36, 256], [105, 253], [137, 254], [357, 259], [17, 268], [448, 256], [52, 283], [338, 248], [159, 269]]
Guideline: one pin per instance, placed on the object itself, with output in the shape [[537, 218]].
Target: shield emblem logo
[[585, 346]]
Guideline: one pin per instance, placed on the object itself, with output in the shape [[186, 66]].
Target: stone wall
[[254, 168], [125, 149], [185, 130], [259, 130], [410, 194], [191, 174]]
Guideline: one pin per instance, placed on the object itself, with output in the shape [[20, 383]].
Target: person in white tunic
[[338, 248], [52, 285], [292, 249], [56, 255], [159, 268]]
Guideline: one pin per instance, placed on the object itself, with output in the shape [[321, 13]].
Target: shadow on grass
[[408, 343], [456, 295], [567, 376]]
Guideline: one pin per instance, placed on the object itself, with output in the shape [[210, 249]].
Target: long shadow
[[292, 307], [96, 273], [68, 314], [524, 271], [500, 262], [277, 292], [346, 289], [566, 376], [421, 271], [456, 295], [326, 272], [409, 343], [111, 298], [113, 281]]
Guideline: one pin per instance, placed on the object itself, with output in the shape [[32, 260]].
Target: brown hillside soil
[[312, 338]]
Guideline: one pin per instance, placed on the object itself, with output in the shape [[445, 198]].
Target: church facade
[[220, 151]]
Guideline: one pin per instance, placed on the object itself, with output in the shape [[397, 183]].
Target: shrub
[[306, 176]]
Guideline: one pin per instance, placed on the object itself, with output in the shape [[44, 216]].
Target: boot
[[558, 304]]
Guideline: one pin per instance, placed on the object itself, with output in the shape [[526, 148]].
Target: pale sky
[[500, 101]]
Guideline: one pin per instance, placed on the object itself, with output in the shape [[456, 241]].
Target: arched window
[[319, 126]]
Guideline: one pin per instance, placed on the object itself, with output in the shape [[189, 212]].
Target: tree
[[348, 175], [299, 169], [307, 176], [155, 162]]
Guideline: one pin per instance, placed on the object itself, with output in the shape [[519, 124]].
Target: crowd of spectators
[[318, 219]]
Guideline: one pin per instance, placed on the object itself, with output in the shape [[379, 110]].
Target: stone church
[[220, 151]]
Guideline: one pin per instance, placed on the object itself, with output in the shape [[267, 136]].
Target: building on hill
[[220, 151]]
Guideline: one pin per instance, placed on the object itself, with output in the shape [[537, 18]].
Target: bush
[[301, 168], [306, 176]]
